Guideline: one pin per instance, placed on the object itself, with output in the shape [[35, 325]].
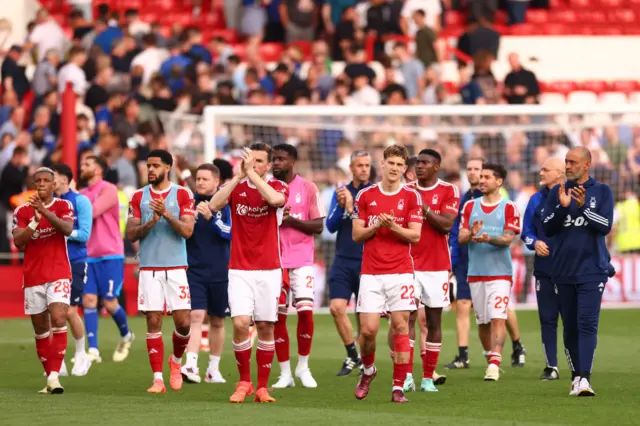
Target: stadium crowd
[[139, 89]]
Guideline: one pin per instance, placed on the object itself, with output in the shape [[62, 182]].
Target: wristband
[[33, 224], [186, 174]]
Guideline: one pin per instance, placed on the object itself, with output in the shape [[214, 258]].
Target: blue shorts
[[464, 291], [210, 296], [105, 278], [78, 278], [344, 278]]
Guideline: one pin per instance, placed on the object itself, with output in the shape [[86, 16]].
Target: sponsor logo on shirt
[[401, 204], [242, 210]]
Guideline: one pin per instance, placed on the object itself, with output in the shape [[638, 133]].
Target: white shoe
[[122, 350], [584, 388], [54, 387], [94, 355], [81, 365], [214, 376], [575, 385], [492, 374], [63, 370], [306, 378], [284, 381], [190, 374]]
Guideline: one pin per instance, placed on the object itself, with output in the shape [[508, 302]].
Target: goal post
[[520, 137]]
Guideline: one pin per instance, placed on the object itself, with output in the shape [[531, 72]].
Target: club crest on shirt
[[401, 204], [592, 203], [434, 200], [298, 198]]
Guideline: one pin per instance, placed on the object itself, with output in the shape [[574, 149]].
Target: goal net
[[518, 137]]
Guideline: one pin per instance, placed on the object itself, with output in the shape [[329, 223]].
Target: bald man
[[551, 174], [578, 215]]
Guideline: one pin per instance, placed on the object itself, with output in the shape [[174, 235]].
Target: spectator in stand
[[299, 18], [42, 120], [411, 68], [84, 7], [357, 64], [470, 90], [72, 72], [482, 10], [232, 14], [332, 13], [520, 85], [432, 92], [134, 25], [380, 23], [615, 150], [197, 51], [173, 69], [46, 35], [107, 34], [633, 156], [127, 126], [45, 77], [479, 36], [80, 23], [38, 151], [425, 38], [432, 10], [105, 113], [484, 77], [9, 103], [222, 50], [517, 11], [150, 59], [288, 86], [363, 94], [273, 30], [15, 122], [13, 75], [253, 21], [98, 95], [13, 178], [346, 35]]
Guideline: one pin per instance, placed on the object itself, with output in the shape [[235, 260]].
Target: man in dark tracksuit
[[578, 215], [551, 174]]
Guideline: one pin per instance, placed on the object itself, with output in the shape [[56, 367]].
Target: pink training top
[[106, 239], [297, 247]]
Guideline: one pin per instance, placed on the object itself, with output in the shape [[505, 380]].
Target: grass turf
[[114, 394]]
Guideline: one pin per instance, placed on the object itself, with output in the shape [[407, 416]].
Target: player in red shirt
[[255, 270], [432, 261], [161, 217], [40, 227], [388, 219]]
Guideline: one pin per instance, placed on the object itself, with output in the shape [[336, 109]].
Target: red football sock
[[205, 331], [495, 358], [400, 345], [264, 357], [305, 327], [281, 335], [242, 352], [42, 349], [411, 355], [180, 343], [57, 348], [155, 348], [430, 359]]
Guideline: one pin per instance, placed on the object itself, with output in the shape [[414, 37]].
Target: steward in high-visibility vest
[[627, 226]]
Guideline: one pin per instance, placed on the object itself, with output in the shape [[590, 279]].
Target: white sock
[[409, 375], [80, 345], [395, 388], [214, 362], [285, 368], [53, 375], [127, 336], [192, 359], [177, 360], [486, 353], [370, 370], [158, 376], [303, 362]]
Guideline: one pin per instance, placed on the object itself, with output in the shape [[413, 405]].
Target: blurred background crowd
[[142, 81]]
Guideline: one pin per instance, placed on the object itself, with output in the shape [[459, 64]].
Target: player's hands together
[[563, 196], [341, 194], [482, 238], [476, 227], [541, 248], [158, 207], [247, 161], [38, 206], [579, 195], [203, 209], [386, 220], [348, 203]]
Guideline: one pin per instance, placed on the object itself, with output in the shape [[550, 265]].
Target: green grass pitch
[[114, 394]]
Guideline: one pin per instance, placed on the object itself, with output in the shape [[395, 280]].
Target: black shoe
[[518, 358], [458, 362], [348, 365], [550, 373]]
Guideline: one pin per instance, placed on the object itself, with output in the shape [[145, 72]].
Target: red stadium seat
[[597, 86], [453, 17], [592, 16], [564, 87], [579, 4], [525, 29], [271, 52], [131, 4], [240, 50], [554, 29], [604, 30], [501, 17], [229, 35], [622, 16], [537, 16], [563, 16], [611, 4], [631, 30], [625, 86], [304, 46], [557, 4], [542, 85]]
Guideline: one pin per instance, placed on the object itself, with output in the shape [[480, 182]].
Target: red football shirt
[[511, 222], [255, 240], [185, 202], [385, 253], [431, 253], [45, 255]]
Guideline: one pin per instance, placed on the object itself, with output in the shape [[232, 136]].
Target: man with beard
[[208, 275], [161, 217], [302, 218], [105, 259]]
